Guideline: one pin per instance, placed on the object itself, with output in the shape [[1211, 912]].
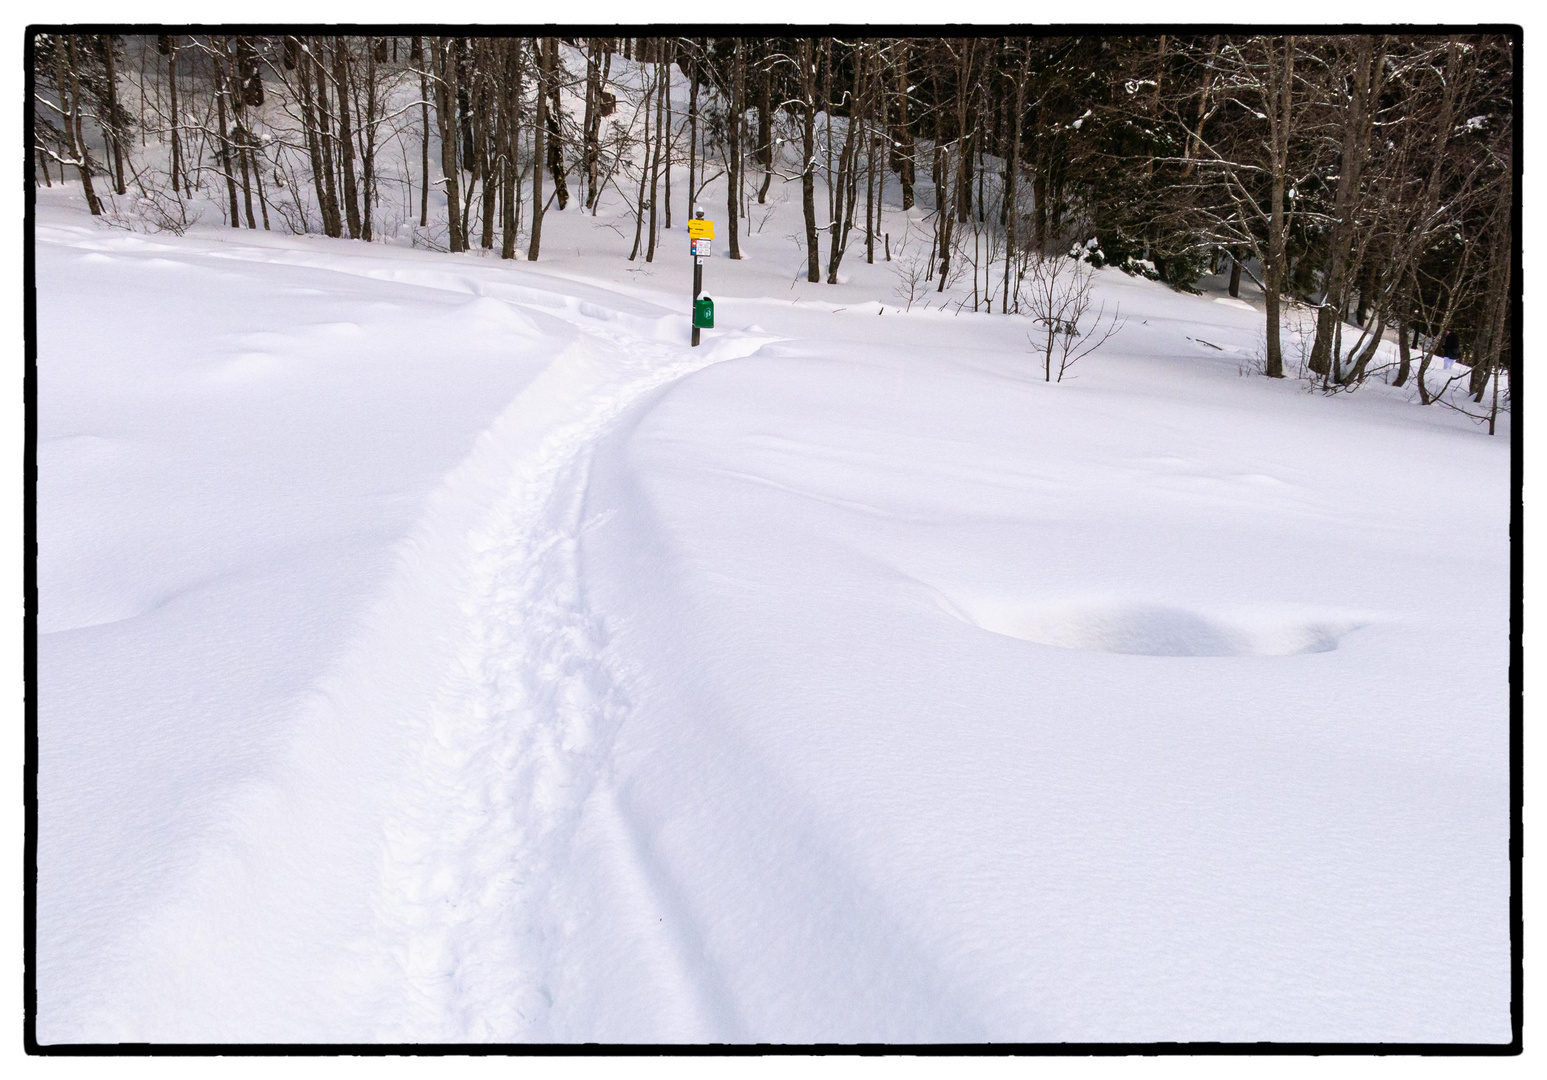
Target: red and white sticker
[[702, 248]]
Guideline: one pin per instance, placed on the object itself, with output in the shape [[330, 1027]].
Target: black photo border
[[1514, 1047]]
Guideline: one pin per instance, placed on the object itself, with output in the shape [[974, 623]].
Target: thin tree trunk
[[904, 140], [1273, 274], [334, 222], [112, 113], [511, 115], [589, 152], [367, 134], [539, 148], [178, 180], [655, 157], [693, 133], [1404, 355], [446, 118], [765, 129], [257, 172], [669, 142], [554, 119], [424, 128], [733, 149], [65, 75], [225, 140], [1012, 179], [313, 151], [648, 99], [808, 148], [341, 65]]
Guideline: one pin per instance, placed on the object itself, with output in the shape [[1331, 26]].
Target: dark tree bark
[[654, 158], [224, 134], [341, 78], [539, 148], [648, 100], [331, 214], [112, 126], [446, 119], [554, 118], [765, 129], [1404, 356], [66, 65], [808, 148], [511, 114], [314, 152], [733, 149], [590, 152], [904, 141], [178, 179], [1280, 119], [418, 57]]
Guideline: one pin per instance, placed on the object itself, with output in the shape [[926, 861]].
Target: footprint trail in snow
[[394, 878]]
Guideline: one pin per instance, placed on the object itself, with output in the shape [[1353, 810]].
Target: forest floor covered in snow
[[438, 648]]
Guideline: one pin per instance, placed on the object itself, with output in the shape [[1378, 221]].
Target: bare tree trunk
[[1404, 354], [511, 112], [904, 141], [341, 65], [765, 129], [648, 100], [1282, 79], [1367, 64], [319, 171], [1012, 177], [178, 179], [669, 141], [446, 118], [661, 72], [554, 118], [112, 113], [65, 75], [693, 131], [589, 151], [424, 129], [242, 137], [943, 212], [539, 148], [225, 140], [733, 148], [848, 175], [367, 133], [332, 217], [808, 148]]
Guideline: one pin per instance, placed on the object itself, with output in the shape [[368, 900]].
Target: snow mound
[[1148, 629]]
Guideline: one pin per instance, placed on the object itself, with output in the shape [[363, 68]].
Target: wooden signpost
[[700, 243]]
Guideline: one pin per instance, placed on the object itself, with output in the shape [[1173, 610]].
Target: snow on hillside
[[437, 648]]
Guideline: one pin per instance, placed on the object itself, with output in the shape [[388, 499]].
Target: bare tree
[[1057, 296]]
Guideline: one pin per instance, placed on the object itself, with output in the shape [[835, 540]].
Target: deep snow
[[437, 648]]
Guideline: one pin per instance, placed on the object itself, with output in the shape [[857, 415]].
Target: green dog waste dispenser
[[703, 313]]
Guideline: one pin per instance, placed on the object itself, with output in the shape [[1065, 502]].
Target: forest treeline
[[1367, 176]]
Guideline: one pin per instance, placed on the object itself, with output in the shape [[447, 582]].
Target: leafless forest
[[1369, 177]]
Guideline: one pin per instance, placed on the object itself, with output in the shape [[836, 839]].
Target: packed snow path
[[472, 741], [439, 649]]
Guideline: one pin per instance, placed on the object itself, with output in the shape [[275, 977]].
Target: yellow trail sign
[[700, 229]]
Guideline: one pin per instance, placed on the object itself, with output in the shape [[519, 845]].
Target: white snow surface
[[436, 648]]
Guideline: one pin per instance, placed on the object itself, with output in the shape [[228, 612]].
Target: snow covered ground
[[435, 648]]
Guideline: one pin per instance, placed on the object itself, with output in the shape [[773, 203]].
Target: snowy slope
[[437, 648]]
